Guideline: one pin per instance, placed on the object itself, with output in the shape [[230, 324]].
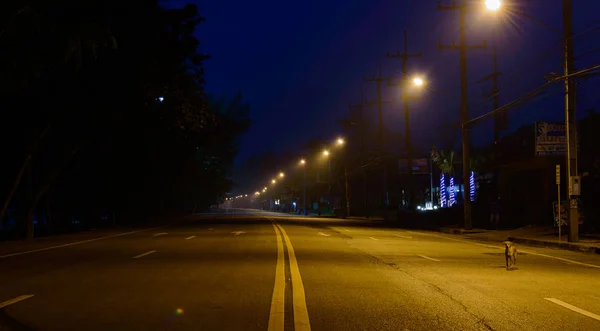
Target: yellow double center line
[[276, 316]]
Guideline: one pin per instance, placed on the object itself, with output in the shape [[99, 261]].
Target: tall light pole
[[326, 153], [303, 163], [417, 81], [570, 121], [462, 47], [341, 142], [570, 115]]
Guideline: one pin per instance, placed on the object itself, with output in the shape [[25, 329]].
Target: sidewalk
[[532, 236]]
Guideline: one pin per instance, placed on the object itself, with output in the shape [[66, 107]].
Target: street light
[[303, 163], [273, 181], [340, 141], [570, 115], [281, 174], [326, 152], [493, 5], [418, 81]]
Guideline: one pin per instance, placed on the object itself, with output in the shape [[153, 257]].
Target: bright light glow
[[340, 141], [161, 99], [418, 81], [325, 152], [245, 195], [264, 189], [493, 5], [256, 193], [452, 199], [273, 181], [303, 161], [419, 207], [281, 174], [443, 200], [435, 207]]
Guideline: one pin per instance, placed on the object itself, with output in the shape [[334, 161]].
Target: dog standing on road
[[510, 252]]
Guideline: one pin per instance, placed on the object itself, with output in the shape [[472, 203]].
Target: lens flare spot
[[179, 311]]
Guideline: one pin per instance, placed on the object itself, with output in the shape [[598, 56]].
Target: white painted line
[[373, 238], [405, 237], [428, 258], [159, 234], [324, 234], [520, 250], [573, 308], [144, 254], [237, 233], [15, 300], [190, 237], [78, 242], [277, 312]]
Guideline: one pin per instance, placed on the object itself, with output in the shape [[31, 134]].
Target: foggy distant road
[[265, 272]]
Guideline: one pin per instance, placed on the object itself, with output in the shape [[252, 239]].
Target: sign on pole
[[558, 174], [550, 139]]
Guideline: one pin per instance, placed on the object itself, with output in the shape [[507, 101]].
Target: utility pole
[[382, 152], [361, 120], [500, 120], [407, 136], [304, 188], [570, 123], [462, 9]]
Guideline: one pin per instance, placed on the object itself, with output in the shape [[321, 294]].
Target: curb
[[561, 245], [458, 231]]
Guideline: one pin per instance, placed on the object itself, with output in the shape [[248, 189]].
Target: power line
[[531, 94]]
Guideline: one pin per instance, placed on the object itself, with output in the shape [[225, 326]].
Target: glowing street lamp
[[418, 81], [264, 189], [281, 174], [326, 152], [273, 181], [340, 141], [302, 161], [493, 5]]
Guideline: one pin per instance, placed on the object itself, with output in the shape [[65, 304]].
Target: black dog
[[510, 252]]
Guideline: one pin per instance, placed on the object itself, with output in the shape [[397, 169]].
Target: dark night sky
[[299, 63]]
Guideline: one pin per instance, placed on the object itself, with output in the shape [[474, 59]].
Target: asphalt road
[[266, 272]]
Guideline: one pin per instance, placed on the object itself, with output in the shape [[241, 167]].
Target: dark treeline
[[103, 116]]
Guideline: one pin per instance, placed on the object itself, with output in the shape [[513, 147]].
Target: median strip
[[573, 308], [15, 300], [144, 254], [276, 317], [276, 314]]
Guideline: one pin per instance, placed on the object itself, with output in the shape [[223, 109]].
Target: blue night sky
[[300, 63]]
